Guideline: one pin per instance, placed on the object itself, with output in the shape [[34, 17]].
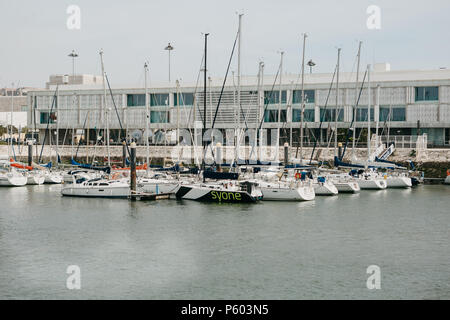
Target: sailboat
[[12, 178], [53, 177], [35, 178], [286, 191], [97, 188], [220, 192], [277, 185], [324, 187]]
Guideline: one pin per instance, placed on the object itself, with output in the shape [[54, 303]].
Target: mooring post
[[219, 157], [286, 153], [133, 168], [340, 150], [30, 153], [124, 154]]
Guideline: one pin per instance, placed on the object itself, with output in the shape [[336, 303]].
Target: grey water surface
[[172, 249]]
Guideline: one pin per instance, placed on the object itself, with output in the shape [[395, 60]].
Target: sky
[[36, 41]]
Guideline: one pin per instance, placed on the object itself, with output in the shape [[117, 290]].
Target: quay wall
[[435, 162]]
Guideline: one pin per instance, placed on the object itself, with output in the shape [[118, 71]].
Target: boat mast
[[258, 132], [11, 125], [336, 112], [204, 106], [238, 114], [356, 100], [368, 111], [105, 107], [302, 112], [279, 100], [377, 118], [57, 124], [147, 118]]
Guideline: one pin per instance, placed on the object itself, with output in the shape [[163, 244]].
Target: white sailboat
[[447, 179], [344, 183], [81, 173], [158, 185], [286, 191], [35, 178], [371, 181], [398, 181], [53, 177], [324, 187], [12, 178], [97, 188]]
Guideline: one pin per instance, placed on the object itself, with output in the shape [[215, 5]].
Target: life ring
[[298, 175], [448, 172]]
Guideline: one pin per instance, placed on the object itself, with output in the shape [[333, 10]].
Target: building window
[[361, 114], [309, 96], [427, 93], [329, 115], [136, 100], [272, 116], [308, 115], [47, 117], [159, 116], [392, 114], [186, 99], [159, 99], [273, 97]]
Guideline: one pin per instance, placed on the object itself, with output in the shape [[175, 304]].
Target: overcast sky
[[35, 40]]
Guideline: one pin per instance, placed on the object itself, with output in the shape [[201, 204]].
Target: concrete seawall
[[189, 153]]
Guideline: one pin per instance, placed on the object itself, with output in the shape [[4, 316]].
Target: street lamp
[[73, 55], [311, 64], [169, 48]]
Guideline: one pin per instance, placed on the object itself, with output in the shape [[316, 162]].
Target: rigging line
[[322, 117], [194, 108], [117, 112], [247, 114], [48, 124], [353, 116], [265, 108], [196, 88], [224, 81], [221, 93], [34, 120], [270, 97], [79, 141]]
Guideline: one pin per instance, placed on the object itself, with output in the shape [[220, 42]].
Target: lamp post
[[169, 48], [73, 55], [310, 64]]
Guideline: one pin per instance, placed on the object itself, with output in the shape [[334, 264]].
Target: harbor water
[[172, 249]]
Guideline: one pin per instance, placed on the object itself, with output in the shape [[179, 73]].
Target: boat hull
[[52, 178], [213, 195], [96, 192], [158, 187], [35, 179], [288, 194], [447, 180], [347, 187], [399, 182], [13, 181], [325, 189], [372, 184]]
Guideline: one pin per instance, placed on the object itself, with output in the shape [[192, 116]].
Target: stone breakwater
[[435, 162]]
